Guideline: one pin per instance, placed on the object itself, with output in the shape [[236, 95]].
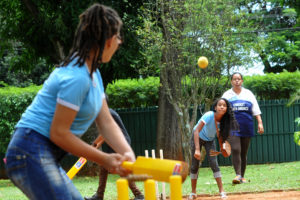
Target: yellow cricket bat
[[158, 169], [82, 161]]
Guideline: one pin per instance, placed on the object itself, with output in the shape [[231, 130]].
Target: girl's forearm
[[112, 133], [196, 141]]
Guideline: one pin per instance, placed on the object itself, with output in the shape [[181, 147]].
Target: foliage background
[[40, 32], [35, 35], [133, 93], [13, 102]]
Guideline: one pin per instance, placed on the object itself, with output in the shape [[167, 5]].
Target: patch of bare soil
[[270, 195]]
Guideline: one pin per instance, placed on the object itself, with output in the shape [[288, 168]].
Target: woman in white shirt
[[245, 106]]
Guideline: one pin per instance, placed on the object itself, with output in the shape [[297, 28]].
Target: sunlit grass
[[266, 177]]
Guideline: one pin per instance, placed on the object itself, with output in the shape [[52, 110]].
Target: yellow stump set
[[122, 188], [149, 184], [159, 169], [164, 170]]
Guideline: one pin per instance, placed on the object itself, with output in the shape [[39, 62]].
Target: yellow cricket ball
[[202, 62]]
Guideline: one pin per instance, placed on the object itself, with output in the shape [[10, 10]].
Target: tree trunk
[[168, 133]]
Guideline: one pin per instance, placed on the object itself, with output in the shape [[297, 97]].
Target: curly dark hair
[[97, 24], [228, 122]]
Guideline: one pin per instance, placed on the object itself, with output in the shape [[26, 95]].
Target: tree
[[44, 29], [279, 33], [185, 30]]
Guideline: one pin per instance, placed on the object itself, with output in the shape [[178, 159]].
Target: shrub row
[[131, 93], [11, 109], [273, 86], [13, 102]]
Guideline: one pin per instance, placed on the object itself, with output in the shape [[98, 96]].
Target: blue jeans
[[32, 164]]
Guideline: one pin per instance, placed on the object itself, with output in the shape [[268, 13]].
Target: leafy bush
[[11, 109], [131, 93], [297, 133], [11, 90], [13, 102], [273, 86]]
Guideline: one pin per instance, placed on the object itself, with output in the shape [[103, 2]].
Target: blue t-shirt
[[208, 132], [72, 87]]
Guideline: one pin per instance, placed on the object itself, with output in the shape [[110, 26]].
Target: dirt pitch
[[270, 195]]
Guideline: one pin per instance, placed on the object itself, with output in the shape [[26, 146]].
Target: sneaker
[[192, 196], [237, 179], [139, 197], [94, 197], [223, 195], [243, 180]]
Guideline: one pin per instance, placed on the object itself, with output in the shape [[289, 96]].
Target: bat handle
[[128, 165], [98, 142]]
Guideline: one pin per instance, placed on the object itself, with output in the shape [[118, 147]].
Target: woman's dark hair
[[97, 24], [235, 74], [228, 122]]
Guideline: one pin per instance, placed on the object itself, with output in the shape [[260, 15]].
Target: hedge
[[11, 109], [132, 93], [273, 86]]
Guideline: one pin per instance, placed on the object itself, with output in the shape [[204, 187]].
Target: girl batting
[[72, 98]]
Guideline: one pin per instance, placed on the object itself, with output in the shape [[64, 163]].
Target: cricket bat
[[82, 161], [158, 169]]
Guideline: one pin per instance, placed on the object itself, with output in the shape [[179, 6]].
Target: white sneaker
[[192, 196], [223, 195]]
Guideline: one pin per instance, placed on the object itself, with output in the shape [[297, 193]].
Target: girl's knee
[[217, 174], [235, 150], [212, 160], [193, 176]]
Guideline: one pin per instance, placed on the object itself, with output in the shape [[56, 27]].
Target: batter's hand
[[113, 164], [129, 156]]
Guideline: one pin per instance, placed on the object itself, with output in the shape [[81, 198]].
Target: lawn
[[283, 176]]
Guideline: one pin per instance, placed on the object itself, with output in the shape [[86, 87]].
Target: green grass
[[283, 176]]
